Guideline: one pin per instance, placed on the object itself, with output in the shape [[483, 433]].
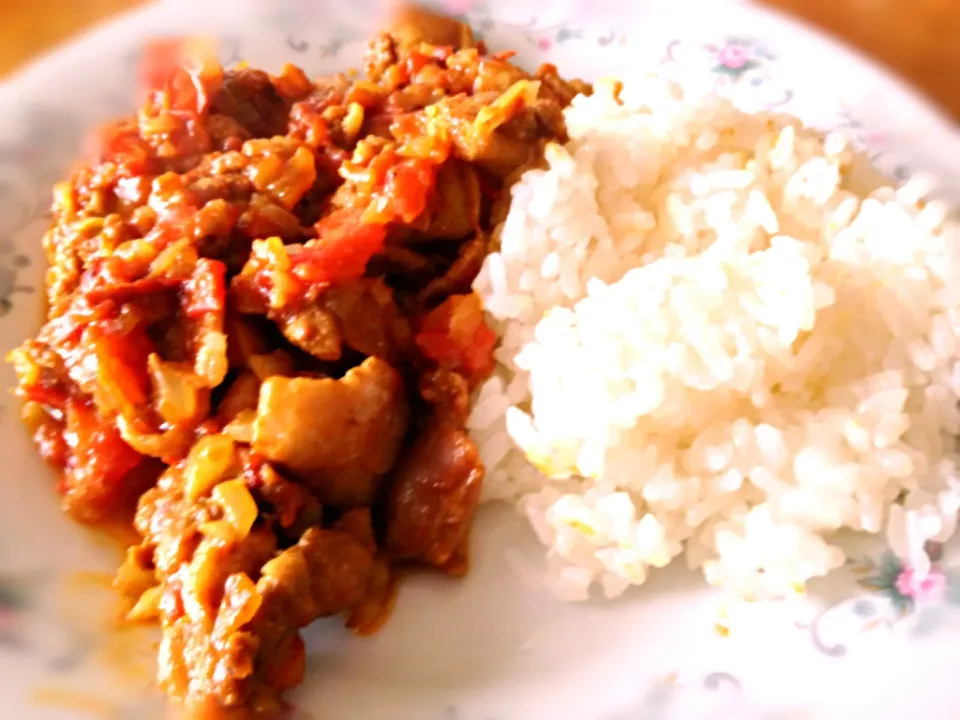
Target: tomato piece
[[206, 290], [99, 463], [98, 445], [180, 73], [128, 291], [122, 365], [409, 184], [342, 250], [455, 336], [161, 58], [122, 145], [49, 393]]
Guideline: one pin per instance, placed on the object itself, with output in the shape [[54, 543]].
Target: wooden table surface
[[920, 39]]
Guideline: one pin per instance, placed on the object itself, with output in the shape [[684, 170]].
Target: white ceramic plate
[[495, 646]]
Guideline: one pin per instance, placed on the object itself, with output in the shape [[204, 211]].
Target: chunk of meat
[[369, 615], [104, 476], [362, 315], [460, 275], [314, 330], [454, 208], [206, 652], [448, 393], [232, 607], [369, 320], [248, 97], [325, 573], [413, 25], [434, 496], [498, 131], [555, 88], [241, 395], [289, 506], [381, 54], [338, 436]]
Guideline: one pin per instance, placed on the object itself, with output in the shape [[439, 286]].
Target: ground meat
[[249, 98]]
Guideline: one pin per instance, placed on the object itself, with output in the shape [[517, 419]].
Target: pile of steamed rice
[[720, 336]]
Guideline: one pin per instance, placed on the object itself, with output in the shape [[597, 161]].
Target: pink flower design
[[932, 588], [734, 57], [544, 43], [458, 7], [873, 138]]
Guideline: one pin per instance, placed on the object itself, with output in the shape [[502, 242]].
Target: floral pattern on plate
[[740, 68]]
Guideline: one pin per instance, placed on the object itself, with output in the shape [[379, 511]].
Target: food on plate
[[298, 329], [261, 339], [720, 335]]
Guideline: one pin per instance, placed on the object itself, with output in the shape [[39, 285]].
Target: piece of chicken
[[338, 436]]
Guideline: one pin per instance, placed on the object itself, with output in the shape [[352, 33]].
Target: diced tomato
[[161, 58], [121, 144], [456, 336], [175, 220], [99, 463], [51, 443], [122, 365], [206, 290], [442, 52], [125, 292], [409, 184], [51, 396], [98, 443], [416, 60], [105, 272], [180, 73], [343, 248]]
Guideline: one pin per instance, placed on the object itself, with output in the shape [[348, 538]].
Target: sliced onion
[[147, 607], [241, 601], [176, 392], [241, 427], [239, 507], [209, 461]]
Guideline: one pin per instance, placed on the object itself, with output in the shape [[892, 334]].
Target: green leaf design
[[874, 583], [735, 73], [14, 596], [902, 604], [890, 568]]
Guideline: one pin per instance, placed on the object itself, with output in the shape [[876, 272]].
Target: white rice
[[719, 335]]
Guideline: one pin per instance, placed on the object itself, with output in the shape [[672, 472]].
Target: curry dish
[[260, 339]]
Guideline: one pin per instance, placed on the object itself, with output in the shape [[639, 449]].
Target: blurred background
[[918, 39]]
